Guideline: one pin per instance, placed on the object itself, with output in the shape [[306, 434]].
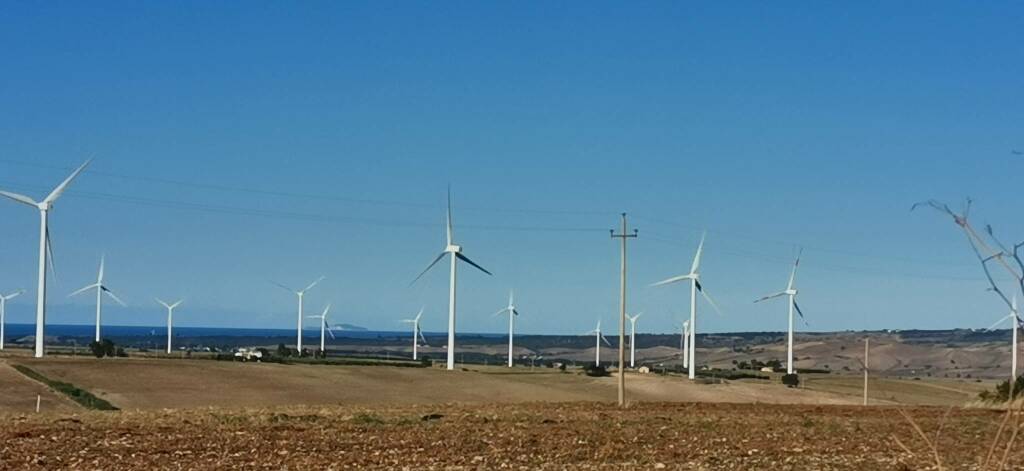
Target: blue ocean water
[[81, 330]]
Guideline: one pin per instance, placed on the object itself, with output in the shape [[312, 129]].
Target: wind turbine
[[455, 253], [100, 290], [632, 339], [512, 313], [324, 327], [3, 313], [170, 319], [598, 337], [45, 249], [417, 334], [300, 294], [790, 291], [695, 287], [1016, 321]]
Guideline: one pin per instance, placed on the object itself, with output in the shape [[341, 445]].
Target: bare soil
[[519, 436]]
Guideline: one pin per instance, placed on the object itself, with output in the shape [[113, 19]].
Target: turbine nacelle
[[452, 248]]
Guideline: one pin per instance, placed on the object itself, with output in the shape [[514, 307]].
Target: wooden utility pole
[[625, 235], [866, 340]]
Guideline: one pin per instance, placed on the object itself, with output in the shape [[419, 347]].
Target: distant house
[[643, 370], [767, 369]]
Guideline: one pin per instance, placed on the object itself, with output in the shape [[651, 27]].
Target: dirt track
[[522, 436]]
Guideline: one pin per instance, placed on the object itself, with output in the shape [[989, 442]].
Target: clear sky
[[239, 143]]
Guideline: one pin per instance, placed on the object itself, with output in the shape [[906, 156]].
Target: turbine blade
[[80, 291], [467, 260], [424, 339], [311, 285], [14, 294], [49, 254], [1000, 321], [500, 312], [708, 298], [606, 340], [674, 279], [329, 329], [20, 198], [424, 272], [448, 220], [177, 303], [112, 295], [801, 313], [326, 310], [792, 276], [771, 296], [279, 285], [420, 314], [64, 185], [162, 303], [696, 258], [102, 260]]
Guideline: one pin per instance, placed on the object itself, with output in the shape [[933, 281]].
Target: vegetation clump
[[1001, 393], [81, 396]]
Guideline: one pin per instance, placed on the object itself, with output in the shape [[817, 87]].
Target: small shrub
[[595, 371], [791, 380]]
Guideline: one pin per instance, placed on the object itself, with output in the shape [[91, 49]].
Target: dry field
[[521, 436], [131, 383]]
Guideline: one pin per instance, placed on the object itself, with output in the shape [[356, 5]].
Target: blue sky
[[237, 144]]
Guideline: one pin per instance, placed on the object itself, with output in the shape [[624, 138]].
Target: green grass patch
[[79, 395]]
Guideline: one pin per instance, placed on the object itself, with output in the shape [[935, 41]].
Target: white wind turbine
[[3, 313], [324, 328], [1015, 324], [455, 252], [632, 339], [512, 313], [300, 294], [695, 287], [598, 337], [417, 334], [790, 291], [100, 290], [170, 319], [45, 249]]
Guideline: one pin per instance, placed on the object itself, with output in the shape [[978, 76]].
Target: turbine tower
[[170, 319], [45, 249], [684, 343], [3, 313], [694, 278], [101, 289], [300, 294], [632, 339], [1015, 324], [324, 327], [512, 313], [455, 253], [598, 337], [790, 291], [417, 334]]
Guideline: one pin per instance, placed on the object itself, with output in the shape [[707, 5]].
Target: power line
[[808, 247], [306, 196], [739, 253], [242, 211]]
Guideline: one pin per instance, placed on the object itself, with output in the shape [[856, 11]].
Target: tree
[[791, 380], [104, 348], [283, 351]]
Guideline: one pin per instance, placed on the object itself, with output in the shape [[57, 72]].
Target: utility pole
[[625, 235], [866, 340]]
